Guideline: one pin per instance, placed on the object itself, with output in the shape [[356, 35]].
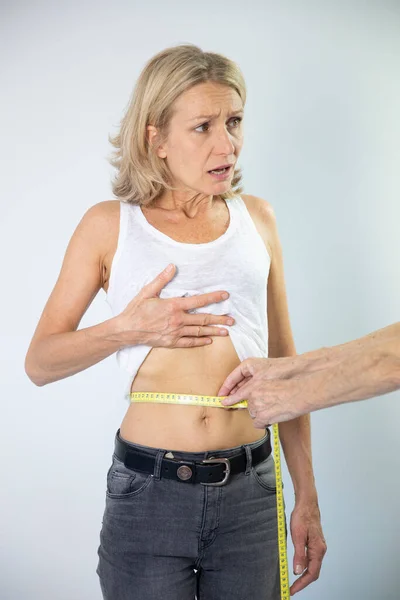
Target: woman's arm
[[57, 350], [59, 355], [295, 435], [305, 524]]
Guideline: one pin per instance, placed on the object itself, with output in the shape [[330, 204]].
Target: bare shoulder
[[260, 206], [263, 216], [103, 215]]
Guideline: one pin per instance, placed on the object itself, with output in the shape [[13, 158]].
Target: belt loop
[[157, 464], [249, 458]]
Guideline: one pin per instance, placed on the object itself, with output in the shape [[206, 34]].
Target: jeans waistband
[[197, 456]]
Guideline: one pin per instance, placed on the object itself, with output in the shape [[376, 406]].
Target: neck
[[190, 205]]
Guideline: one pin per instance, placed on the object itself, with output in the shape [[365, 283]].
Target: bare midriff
[[198, 370]]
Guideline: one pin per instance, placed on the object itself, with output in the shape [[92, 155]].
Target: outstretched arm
[[286, 386], [357, 370]]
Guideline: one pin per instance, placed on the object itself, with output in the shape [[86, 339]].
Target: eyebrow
[[209, 117]]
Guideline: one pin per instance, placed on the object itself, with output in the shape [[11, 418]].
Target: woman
[[174, 524]]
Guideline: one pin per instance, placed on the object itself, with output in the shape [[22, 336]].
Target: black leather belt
[[211, 471]]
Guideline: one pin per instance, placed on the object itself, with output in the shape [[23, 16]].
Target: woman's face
[[205, 132]]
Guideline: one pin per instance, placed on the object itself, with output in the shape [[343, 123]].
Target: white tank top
[[237, 262]]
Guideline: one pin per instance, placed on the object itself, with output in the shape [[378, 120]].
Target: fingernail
[[170, 267], [298, 570], [225, 295]]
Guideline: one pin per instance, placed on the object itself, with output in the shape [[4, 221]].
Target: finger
[[199, 331], [309, 576], [191, 342], [241, 394], [300, 560], [239, 385], [241, 372], [244, 393], [203, 319], [200, 300], [242, 383], [156, 285]]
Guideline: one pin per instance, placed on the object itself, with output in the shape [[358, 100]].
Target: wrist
[[306, 495], [118, 333]]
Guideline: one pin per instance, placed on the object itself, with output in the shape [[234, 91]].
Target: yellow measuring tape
[[215, 401]]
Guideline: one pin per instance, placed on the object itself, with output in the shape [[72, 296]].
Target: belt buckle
[[227, 470]]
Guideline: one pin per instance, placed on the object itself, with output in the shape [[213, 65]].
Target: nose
[[224, 142]]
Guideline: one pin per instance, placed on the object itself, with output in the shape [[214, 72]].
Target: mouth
[[221, 170]]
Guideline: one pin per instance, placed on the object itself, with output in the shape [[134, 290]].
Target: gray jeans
[[163, 539]]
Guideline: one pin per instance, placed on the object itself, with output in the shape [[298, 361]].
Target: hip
[[159, 524]]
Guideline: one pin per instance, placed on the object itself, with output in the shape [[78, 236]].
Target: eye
[[203, 125], [239, 119]]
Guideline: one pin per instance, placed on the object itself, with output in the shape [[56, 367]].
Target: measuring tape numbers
[[215, 401]]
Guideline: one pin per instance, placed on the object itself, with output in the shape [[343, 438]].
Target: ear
[[152, 134]]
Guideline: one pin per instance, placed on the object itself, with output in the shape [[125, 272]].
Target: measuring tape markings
[[215, 401]]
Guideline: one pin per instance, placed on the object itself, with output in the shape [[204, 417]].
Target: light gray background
[[322, 131]]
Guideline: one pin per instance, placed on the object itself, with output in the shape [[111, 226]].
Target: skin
[[197, 144], [306, 530], [280, 389], [194, 213]]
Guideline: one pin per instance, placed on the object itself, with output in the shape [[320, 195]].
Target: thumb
[[154, 287], [244, 371], [300, 557]]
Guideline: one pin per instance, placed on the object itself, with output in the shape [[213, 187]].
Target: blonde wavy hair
[[141, 175]]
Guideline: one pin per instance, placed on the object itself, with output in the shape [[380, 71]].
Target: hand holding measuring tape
[[248, 382], [271, 387]]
